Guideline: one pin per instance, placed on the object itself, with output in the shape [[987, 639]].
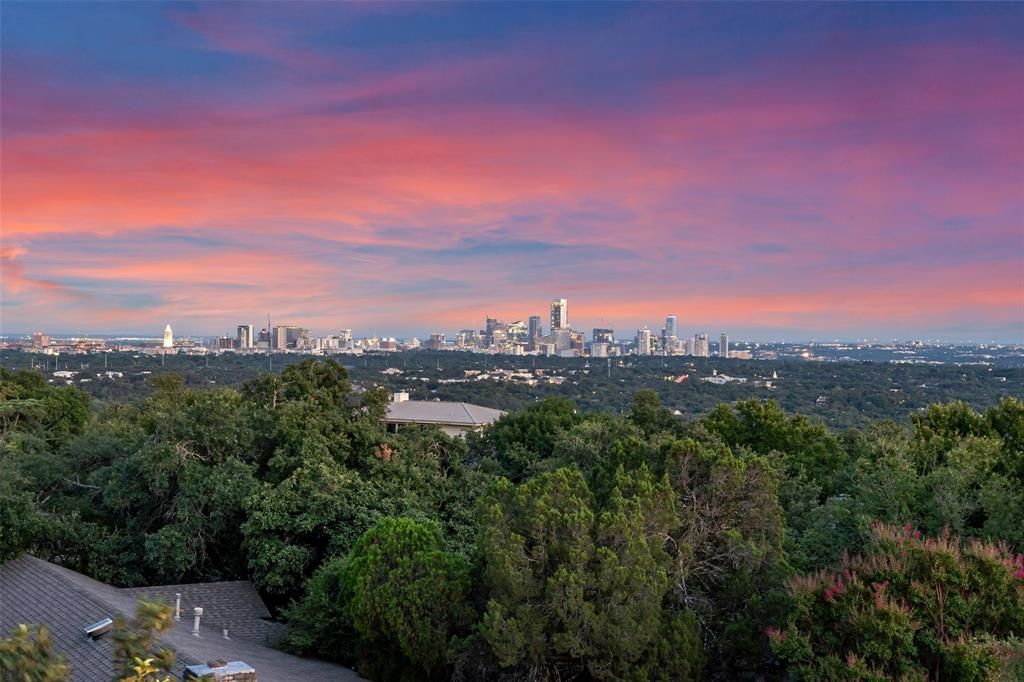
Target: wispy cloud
[[426, 166]]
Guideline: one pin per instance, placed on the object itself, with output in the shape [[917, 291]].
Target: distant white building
[[643, 341], [701, 346], [559, 314], [168, 337]]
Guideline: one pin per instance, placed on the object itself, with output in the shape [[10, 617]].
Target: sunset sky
[[773, 171]]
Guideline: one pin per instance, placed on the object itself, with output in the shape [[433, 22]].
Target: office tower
[[723, 346], [671, 327], [603, 336], [517, 331], [670, 335], [559, 314], [535, 329], [598, 350], [643, 341], [245, 337], [701, 345], [279, 338], [345, 335], [168, 337], [40, 340], [289, 336], [562, 339]]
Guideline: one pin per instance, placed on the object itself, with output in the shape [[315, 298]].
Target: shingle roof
[[233, 604], [35, 591], [436, 412]]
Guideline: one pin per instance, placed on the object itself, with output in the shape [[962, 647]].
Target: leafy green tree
[[939, 428], [726, 545], [316, 512], [518, 441], [51, 413], [649, 414], [139, 640], [1007, 421], [574, 589], [400, 591], [27, 656], [18, 521], [799, 444]]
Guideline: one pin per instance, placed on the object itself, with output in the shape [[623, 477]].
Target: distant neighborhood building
[[455, 419]]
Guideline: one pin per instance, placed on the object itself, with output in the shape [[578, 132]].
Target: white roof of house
[[435, 412]]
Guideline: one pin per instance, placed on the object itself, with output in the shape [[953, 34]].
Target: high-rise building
[[517, 331], [669, 335], [288, 336], [279, 338], [40, 340], [671, 327], [168, 337], [245, 337], [562, 338], [491, 324], [226, 343], [701, 345], [643, 341], [535, 331], [559, 314], [723, 346], [603, 336]]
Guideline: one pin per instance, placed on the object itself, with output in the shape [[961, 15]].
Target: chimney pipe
[[195, 626]]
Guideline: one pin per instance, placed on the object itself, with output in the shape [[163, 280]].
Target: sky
[[797, 170]]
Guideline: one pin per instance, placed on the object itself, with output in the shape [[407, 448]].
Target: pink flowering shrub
[[910, 608]]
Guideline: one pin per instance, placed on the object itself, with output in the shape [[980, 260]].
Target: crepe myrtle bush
[[909, 608]]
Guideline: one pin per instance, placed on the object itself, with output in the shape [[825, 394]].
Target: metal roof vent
[[99, 628]]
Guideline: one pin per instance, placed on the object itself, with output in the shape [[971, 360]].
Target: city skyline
[[782, 171]]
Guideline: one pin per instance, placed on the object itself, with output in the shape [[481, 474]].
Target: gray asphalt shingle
[[33, 591]]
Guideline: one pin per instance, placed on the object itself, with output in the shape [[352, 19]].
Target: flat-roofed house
[[455, 419]]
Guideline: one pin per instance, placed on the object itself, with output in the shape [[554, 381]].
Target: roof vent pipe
[[177, 606], [195, 625]]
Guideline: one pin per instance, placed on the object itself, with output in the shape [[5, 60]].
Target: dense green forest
[[850, 393], [560, 544]]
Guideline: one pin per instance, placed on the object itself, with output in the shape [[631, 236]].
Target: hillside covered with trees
[[560, 544]]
